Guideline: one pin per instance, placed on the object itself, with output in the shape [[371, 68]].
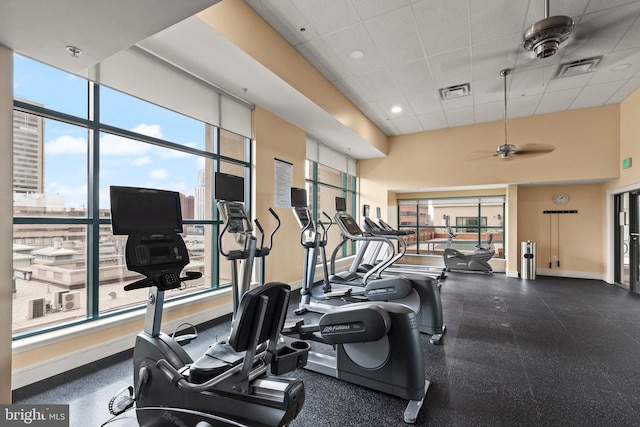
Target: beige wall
[[629, 141], [575, 239], [236, 21], [276, 138], [6, 215], [586, 145]]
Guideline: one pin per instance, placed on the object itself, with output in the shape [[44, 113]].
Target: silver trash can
[[528, 261]]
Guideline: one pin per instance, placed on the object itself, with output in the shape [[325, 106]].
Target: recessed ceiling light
[[397, 109], [621, 67], [357, 54]]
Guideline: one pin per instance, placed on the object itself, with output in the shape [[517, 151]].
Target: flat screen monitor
[[366, 210], [229, 187], [145, 211], [298, 197], [341, 204]]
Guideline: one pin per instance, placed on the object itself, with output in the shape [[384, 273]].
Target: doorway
[[627, 240]]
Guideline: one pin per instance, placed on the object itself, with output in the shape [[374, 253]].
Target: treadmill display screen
[[298, 197]]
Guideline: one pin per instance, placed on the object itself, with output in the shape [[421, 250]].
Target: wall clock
[[560, 198]]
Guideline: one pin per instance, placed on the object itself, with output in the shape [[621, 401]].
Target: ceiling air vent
[[457, 91], [581, 66]]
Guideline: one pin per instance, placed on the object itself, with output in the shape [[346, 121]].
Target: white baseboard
[[572, 274]]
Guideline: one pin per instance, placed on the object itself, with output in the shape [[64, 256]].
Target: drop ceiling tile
[[387, 104], [605, 73], [413, 76], [355, 37], [490, 112], [433, 121], [631, 39], [523, 106], [528, 82], [488, 90], [396, 36], [570, 8], [492, 56], [352, 89], [598, 5], [553, 102], [627, 89], [379, 85], [600, 32], [448, 19], [492, 19], [409, 124], [460, 117], [324, 59], [451, 68], [367, 9], [591, 96], [328, 16], [564, 83], [424, 102]]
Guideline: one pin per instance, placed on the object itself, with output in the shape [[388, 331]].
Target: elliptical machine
[[478, 262], [420, 294], [169, 388]]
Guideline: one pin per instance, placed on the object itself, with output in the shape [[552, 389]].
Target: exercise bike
[[171, 389], [477, 262]]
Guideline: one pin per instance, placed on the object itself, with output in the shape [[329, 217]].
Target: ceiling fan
[[506, 150], [545, 36]]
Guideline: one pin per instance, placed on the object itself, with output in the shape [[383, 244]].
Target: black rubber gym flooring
[[549, 352]]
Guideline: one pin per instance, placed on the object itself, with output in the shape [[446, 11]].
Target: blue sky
[[122, 161]]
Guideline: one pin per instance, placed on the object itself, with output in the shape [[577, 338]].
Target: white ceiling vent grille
[[581, 66], [457, 91]]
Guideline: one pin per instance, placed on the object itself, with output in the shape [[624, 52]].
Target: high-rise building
[[200, 196], [187, 205], [28, 153]]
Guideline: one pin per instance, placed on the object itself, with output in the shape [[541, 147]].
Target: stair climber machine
[[374, 253], [170, 388], [376, 343], [477, 262], [420, 294]]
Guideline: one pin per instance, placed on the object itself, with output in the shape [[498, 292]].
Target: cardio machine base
[[457, 261]]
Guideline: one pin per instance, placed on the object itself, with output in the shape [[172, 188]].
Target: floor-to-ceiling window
[[330, 174], [73, 139], [474, 221]]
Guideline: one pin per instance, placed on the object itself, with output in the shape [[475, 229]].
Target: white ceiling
[[412, 48]]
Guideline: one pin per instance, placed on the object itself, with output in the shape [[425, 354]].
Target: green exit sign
[[626, 163]]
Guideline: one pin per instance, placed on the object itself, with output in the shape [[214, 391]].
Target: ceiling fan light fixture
[[505, 150], [545, 36]]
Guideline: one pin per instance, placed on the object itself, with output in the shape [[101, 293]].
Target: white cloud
[[66, 144], [112, 145], [200, 162], [158, 174], [149, 130], [141, 161]]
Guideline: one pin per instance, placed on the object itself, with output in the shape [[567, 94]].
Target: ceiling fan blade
[[532, 150]]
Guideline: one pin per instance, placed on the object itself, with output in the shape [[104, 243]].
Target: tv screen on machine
[[228, 187], [298, 197], [145, 211]]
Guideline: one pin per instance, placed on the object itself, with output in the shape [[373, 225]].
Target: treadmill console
[[159, 257], [234, 214], [349, 224]]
